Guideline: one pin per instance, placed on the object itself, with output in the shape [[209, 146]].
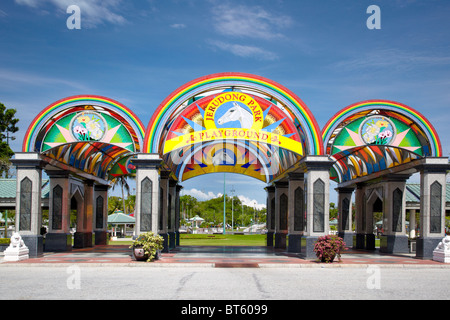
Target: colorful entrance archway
[[237, 123], [232, 122]]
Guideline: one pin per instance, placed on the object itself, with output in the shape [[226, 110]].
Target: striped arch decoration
[[86, 132], [232, 122], [375, 135]]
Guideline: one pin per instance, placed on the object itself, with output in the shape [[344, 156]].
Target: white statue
[[17, 249], [442, 251], [16, 240]]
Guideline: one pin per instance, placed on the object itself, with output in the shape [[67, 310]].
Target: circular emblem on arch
[[377, 130], [88, 126], [234, 108]]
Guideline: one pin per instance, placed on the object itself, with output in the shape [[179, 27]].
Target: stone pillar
[[317, 196], [394, 238], [84, 237], [172, 198], [177, 214], [373, 195], [432, 206], [296, 211], [281, 214], [28, 201], [147, 193], [59, 237], [164, 209], [345, 215], [360, 203], [270, 217], [101, 214]]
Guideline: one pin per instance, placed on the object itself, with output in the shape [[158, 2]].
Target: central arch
[[266, 128]]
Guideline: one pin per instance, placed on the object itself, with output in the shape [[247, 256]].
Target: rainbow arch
[[54, 108], [199, 85], [414, 115]]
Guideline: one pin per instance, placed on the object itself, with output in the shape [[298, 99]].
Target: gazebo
[[196, 221], [118, 218]]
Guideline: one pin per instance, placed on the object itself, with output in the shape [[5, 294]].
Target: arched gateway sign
[[238, 123]]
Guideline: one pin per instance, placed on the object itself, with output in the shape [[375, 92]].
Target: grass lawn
[[213, 240], [222, 240]]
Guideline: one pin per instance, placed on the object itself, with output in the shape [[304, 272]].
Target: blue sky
[[138, 52]]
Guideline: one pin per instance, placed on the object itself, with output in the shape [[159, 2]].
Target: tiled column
[[101, 214], [394, 238], [281, 214], [432, 206], [270, 218], [345, 215], [171, 214], [147, 193], [59, 237], [317, 193], [177, 214], [296, 211], [164, 209], [360, 204], [28, 205], [84, 237]]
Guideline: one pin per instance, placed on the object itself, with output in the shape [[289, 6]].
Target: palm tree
[[122, 181]]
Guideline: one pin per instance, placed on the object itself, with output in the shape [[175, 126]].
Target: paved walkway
[[222, 256]]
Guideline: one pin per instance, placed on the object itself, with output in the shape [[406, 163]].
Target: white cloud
[[200, 195], [93, 12], [178, 26], [392, 59], [248, 21], [251, 202], [203, 196], [244, 51]]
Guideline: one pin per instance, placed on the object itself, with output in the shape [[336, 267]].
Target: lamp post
[[232, 208], [224, 206]]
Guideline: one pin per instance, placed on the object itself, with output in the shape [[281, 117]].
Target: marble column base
[[101, 238], [58, 242], [269, 239], [347, 237], [370, 242], [35, 245], [280, 240], [359, 241], [166, 247], [307, 247], [426, 246], [172, 239], [83, 239], [294, 243], [394, 244]]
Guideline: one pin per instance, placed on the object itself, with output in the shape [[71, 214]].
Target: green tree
[[8, 126], [122, 181]]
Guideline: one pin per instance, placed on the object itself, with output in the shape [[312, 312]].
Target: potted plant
[[147, 246], [328, 247]]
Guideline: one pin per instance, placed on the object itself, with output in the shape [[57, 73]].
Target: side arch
[[86, 132], [374, 135]]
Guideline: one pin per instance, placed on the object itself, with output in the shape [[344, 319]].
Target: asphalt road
[[230, 284]]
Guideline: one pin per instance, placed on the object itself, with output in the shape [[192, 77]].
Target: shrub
[[151, 244], [329, 246]]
